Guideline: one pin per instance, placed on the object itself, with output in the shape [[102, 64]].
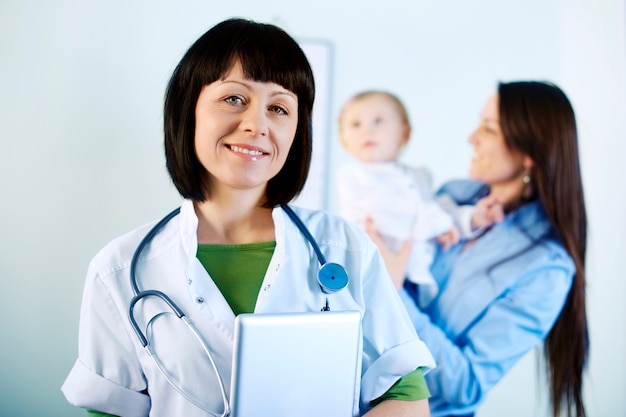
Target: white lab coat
[[114, 373]]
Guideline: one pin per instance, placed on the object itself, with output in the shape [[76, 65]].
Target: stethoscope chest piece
[[332, 277]]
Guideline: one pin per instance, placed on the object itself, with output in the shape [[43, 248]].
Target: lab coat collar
[[189, 228], [216, 306]]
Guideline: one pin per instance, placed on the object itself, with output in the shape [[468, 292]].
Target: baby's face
[[372, 129]]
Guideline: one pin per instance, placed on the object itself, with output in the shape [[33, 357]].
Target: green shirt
[[238, 271], [240, 282]]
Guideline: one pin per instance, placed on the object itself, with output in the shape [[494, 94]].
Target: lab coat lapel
[[203, 292]]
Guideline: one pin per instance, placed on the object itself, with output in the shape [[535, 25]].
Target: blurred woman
[[517, 278]]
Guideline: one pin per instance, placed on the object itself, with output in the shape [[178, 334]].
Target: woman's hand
[[396, 263]]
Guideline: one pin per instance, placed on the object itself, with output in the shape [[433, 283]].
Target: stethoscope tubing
[[305, 231], [141, 294], [144, 294], [147, 238]]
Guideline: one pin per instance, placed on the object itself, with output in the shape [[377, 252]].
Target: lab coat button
[[199, 300], [267, 287]]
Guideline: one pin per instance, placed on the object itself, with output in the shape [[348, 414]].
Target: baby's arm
[[471, 220]]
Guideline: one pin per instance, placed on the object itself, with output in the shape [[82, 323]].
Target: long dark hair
[[538, 120]]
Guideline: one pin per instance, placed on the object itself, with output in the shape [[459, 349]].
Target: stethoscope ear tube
[[143, 294], [157, 361]]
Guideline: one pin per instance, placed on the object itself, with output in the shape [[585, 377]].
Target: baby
[[376, 188]]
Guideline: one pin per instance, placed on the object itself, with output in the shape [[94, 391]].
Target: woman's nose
[[472, 138], [255, 120]]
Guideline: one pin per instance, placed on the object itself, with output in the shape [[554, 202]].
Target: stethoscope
[[331, 278]]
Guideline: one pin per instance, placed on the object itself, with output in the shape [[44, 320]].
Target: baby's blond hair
[[368, 93]]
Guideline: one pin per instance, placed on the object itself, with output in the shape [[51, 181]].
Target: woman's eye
[[279, 110], [378, 121], [487, 129], [233, 100], [490, 128]]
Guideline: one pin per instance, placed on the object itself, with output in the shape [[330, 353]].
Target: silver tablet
[[296, 364]]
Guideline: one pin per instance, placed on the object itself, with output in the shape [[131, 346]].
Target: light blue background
[[81, 161]]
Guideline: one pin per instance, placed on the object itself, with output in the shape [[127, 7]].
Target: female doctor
[[238, 146]]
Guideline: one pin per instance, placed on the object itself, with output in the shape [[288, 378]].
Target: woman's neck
[[509, 194], [234, 221]]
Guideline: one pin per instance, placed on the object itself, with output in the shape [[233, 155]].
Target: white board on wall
[[319, 53]]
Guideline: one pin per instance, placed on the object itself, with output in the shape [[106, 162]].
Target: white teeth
[[246, 151]]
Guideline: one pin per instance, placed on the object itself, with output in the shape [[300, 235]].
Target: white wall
[[81, 161]]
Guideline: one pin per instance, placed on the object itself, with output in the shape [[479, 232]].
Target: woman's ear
[[407, 134], [527, 162]]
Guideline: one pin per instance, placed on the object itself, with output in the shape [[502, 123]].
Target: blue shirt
[[498, 299]]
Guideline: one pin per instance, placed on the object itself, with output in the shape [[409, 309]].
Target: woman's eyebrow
[[284, 92], [491, 120]]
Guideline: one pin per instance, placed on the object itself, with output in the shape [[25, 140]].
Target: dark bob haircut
[[266, 54]]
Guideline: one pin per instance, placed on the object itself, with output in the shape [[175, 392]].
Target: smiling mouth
[[245, 151]]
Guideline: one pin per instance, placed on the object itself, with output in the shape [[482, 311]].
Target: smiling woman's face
[[244, 130], [493, 163]]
